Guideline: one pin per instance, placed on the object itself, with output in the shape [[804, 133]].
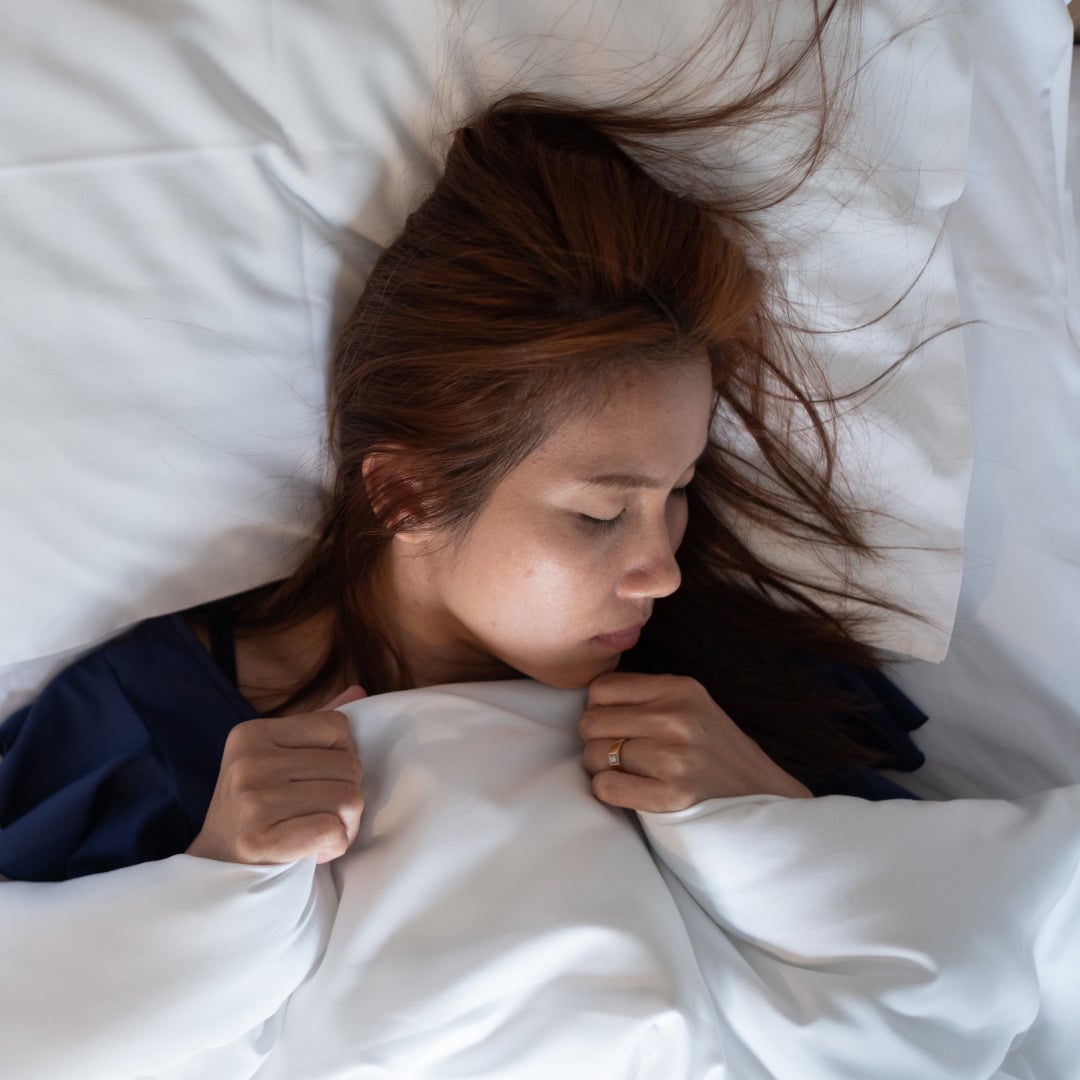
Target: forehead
[[654, 421]]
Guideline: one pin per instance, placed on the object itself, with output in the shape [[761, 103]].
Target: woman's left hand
[[679, 747]]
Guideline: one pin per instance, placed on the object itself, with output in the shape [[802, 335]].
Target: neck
[[271, 664]]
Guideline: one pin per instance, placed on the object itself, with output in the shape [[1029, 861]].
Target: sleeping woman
[[540, 411]]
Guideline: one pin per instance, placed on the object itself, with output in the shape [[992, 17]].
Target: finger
[[628, 688], [640, 793], [633, 756], [329, 730], [321, 835], [294, 764], [620, 721], [275, 805]]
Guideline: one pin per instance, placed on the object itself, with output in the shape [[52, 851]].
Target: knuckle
[[257, 804], [684, 688], [600, 686], [245, 771], [683, 730], [248, 732], [677, 766], [337, 720], [249, 847], [685, 797], [237, 739], [679, 796], [326, 823], [671, 684], [340, 726], [676, 728], [350, 800], [350, 766], [329, 832]]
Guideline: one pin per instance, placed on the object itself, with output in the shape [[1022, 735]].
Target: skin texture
[[289, 788], [555, 560], [564, 555], [679, 747]]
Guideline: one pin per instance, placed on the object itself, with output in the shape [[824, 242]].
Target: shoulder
[[115, 761]]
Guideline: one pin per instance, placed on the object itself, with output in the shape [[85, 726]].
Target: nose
[[652, 571]]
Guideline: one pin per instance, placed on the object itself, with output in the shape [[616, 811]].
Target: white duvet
[[494, 920]]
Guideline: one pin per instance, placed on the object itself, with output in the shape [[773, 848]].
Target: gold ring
[[614, 759]]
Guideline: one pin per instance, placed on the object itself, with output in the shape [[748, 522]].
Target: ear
[[386, 478]]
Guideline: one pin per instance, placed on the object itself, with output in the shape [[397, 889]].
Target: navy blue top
[[115, 763]]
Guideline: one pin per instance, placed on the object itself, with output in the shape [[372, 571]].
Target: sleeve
[[83, 785]]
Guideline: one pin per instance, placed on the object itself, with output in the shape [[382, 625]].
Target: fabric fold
[[132, 972], [936, 931], [494, 919]]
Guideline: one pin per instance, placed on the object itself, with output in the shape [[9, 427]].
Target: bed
[[191, 196]]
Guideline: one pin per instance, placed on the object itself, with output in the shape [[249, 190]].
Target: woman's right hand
[[288, 788]]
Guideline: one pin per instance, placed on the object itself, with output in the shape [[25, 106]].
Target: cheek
[[539, 588], [678, 517], [556, 588], [543, 626]]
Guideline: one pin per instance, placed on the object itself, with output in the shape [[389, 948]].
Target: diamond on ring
[[614, 758]]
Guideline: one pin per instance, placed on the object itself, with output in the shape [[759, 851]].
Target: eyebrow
[[634, 481], [621, 480]]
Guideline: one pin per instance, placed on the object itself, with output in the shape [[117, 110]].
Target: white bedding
[[1005, 702], [191, 196], [898, 941], [494, 921]]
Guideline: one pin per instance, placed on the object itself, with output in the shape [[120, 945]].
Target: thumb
[[353, 693]]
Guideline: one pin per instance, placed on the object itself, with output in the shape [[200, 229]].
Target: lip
[[624, 639]]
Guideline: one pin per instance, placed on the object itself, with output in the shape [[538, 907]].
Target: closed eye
[[609, 525], [601, 525]]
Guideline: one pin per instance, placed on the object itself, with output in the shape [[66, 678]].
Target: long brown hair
[[547, 260]]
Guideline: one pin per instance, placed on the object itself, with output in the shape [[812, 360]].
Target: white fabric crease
[[493, 920]]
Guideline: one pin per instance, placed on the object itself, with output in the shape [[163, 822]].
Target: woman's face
[[560, 570]]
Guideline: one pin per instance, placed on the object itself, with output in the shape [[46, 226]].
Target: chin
[[576, 678]]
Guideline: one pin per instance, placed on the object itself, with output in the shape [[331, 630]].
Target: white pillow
[[190, 200], [1005, 702]]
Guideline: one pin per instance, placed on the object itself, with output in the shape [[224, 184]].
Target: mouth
[[622, 640]]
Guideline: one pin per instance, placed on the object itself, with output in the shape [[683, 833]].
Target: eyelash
[[601, 525], [609, 525]]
